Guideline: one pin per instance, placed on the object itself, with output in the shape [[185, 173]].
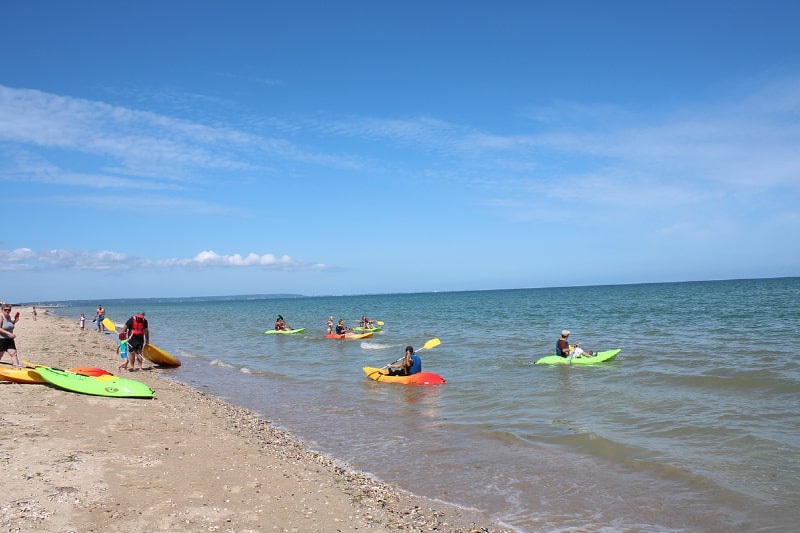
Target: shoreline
[[184, 461]]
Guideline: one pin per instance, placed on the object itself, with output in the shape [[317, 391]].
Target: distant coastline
[[177, 299], [275, 296]]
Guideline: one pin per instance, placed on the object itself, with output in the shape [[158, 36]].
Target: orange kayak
[[420, 378]]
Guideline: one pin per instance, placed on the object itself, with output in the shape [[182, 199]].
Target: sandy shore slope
[[185, 461]]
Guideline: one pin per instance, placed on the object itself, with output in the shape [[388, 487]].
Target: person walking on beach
[[99, 315], [122, 351], [82, 321], [33, 312], [7, 335], [137, 331], [565, 349], [411, 364]]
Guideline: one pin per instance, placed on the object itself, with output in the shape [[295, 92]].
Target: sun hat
[[565, 333], [140, 313]]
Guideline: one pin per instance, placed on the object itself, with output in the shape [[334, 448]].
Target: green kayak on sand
[[118, 388], [599, 357]]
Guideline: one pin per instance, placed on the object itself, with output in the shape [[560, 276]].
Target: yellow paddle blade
[[431, 344], [380, 322], [109, 324]]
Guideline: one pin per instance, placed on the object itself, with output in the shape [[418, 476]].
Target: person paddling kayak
[[565, 349], [280, 324], [411, 364]]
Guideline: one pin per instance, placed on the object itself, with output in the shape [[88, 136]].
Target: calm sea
[[694, 427]]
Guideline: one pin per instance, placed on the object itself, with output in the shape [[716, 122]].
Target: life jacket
[[562, 351], [138, 326], [416, 366]]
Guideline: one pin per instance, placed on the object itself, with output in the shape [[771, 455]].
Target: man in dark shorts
[[138, 333]]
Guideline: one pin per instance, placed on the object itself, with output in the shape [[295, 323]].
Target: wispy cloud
[[139, 143], [27, 259]]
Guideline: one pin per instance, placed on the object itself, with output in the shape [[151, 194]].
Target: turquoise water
[[694, 427]]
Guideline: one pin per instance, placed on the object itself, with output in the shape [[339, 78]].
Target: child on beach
[[82, 321], [122, 351]]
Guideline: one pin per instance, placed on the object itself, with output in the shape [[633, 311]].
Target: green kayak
[[118, 388], [367, 330], [599, 357], [284, 331]]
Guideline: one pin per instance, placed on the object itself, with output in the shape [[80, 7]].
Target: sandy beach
[[185, 461]]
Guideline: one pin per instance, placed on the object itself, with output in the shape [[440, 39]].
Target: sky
[[203, 148]]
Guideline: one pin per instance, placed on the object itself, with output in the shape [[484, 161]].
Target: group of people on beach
[[134, 337]]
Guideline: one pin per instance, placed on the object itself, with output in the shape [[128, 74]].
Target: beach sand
[[185, 461]]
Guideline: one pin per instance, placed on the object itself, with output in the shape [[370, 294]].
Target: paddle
[[427, 346]]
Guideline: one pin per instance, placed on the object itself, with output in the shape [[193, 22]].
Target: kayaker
[[565, 349], [329, 325], [366, 323], [280, 324], [341, 329], [411, 364]]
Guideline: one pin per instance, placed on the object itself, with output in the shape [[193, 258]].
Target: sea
[[695, 426]]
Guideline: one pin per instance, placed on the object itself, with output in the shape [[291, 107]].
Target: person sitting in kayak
[[280, 324], [366, 323], [565, 349], [411, 364], [341, 329]]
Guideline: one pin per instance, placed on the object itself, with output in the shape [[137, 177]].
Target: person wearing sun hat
[[138, 332], [565, 349]]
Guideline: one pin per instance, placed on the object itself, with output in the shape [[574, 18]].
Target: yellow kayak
[[20, 375], [160, 357]]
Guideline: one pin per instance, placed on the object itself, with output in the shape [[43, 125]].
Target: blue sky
[[183, 148]]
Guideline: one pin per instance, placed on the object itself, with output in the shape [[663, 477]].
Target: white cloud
[[27, 259]]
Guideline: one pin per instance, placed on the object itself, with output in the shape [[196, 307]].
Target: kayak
[[366, 330], [118, 388], [284, 331], [20, 375], [420, 378], [599, 357], [349, 335], [89, 371], [160, 357]]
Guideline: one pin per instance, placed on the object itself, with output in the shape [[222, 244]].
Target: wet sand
[[185, 461]]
